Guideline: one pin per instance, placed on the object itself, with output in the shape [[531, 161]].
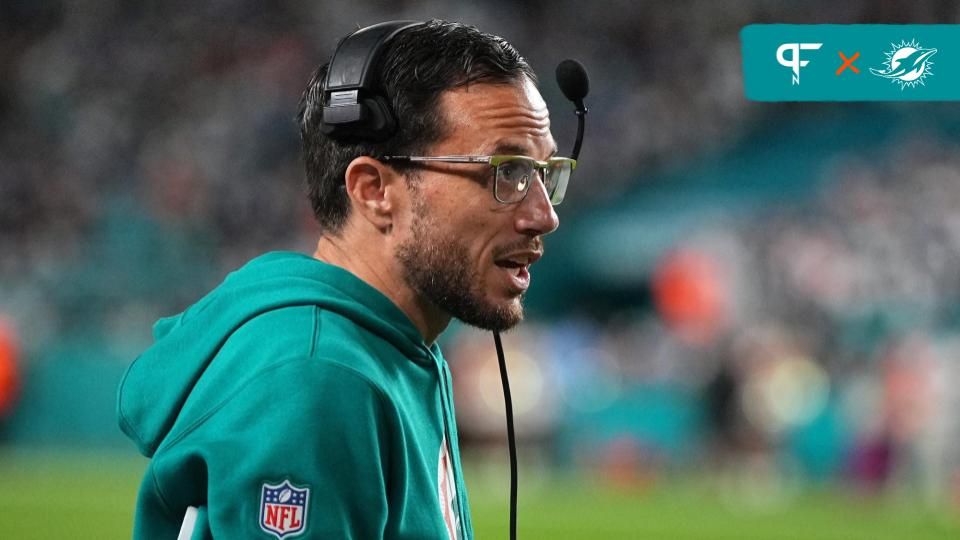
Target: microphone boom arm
[[581, 112]]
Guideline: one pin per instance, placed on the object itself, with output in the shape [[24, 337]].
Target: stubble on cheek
[[441, 270]]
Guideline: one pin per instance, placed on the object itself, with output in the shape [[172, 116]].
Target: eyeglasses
[[513, 173]]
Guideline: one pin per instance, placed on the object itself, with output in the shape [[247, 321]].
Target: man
[[307, 395]]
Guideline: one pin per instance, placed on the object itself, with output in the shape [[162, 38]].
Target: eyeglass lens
[[513, 179]]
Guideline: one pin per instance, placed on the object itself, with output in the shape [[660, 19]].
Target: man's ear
[[370, 186]]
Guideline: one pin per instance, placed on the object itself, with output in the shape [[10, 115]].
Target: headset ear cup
[[376, 123], [379, 123]]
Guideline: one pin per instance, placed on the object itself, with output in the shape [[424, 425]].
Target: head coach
[[306, 396]]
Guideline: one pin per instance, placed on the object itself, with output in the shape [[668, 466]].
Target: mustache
[[535, 244]]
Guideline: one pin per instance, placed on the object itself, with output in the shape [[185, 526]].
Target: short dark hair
[[417, 66]]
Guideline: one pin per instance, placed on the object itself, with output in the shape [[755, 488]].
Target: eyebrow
[[516, 149]]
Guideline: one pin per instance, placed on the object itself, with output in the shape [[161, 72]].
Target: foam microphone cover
[[572, 79]]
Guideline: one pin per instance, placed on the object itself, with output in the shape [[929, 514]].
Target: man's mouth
[[517, 267]]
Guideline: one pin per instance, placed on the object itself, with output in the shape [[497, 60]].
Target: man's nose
[[535, 214]]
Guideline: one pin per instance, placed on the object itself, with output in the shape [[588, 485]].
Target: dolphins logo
[[907, 64]]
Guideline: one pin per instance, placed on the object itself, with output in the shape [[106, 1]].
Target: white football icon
[[285, 495]]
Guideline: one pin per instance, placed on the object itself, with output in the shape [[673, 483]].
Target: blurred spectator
[[9, 371]]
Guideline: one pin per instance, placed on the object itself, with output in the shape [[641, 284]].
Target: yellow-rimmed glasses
[[513, 174]]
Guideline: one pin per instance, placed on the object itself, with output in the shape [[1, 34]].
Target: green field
[[80, 496]]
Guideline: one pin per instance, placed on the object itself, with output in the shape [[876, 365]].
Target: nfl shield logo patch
[[283, 509]]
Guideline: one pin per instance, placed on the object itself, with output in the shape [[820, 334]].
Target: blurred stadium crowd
[[148, 148]]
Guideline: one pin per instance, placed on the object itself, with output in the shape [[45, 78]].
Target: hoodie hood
[[156, 385]]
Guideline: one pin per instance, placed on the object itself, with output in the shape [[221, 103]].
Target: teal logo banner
[[855, 62]]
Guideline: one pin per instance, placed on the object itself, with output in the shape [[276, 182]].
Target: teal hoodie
[[294, 400]]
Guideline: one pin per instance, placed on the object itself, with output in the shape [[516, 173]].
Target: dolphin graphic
[[907, 64]]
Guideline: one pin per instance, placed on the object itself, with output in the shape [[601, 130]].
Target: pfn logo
[[794, 62]]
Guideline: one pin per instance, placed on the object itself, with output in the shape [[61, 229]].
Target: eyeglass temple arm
[[444, 159]]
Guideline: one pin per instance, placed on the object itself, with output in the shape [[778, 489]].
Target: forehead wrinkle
[[524, 129], [533, 124], [537, 116], [517, 125]]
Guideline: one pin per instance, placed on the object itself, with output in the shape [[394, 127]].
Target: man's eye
[[512, 170]]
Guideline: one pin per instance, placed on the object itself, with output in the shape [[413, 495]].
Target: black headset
[[353, 106]]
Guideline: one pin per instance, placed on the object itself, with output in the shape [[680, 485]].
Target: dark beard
[[438, 269]]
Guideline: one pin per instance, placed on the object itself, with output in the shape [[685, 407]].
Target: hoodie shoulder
[[278, 305], [160, 397]]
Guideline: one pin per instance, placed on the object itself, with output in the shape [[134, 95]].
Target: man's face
[[463, 250]]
